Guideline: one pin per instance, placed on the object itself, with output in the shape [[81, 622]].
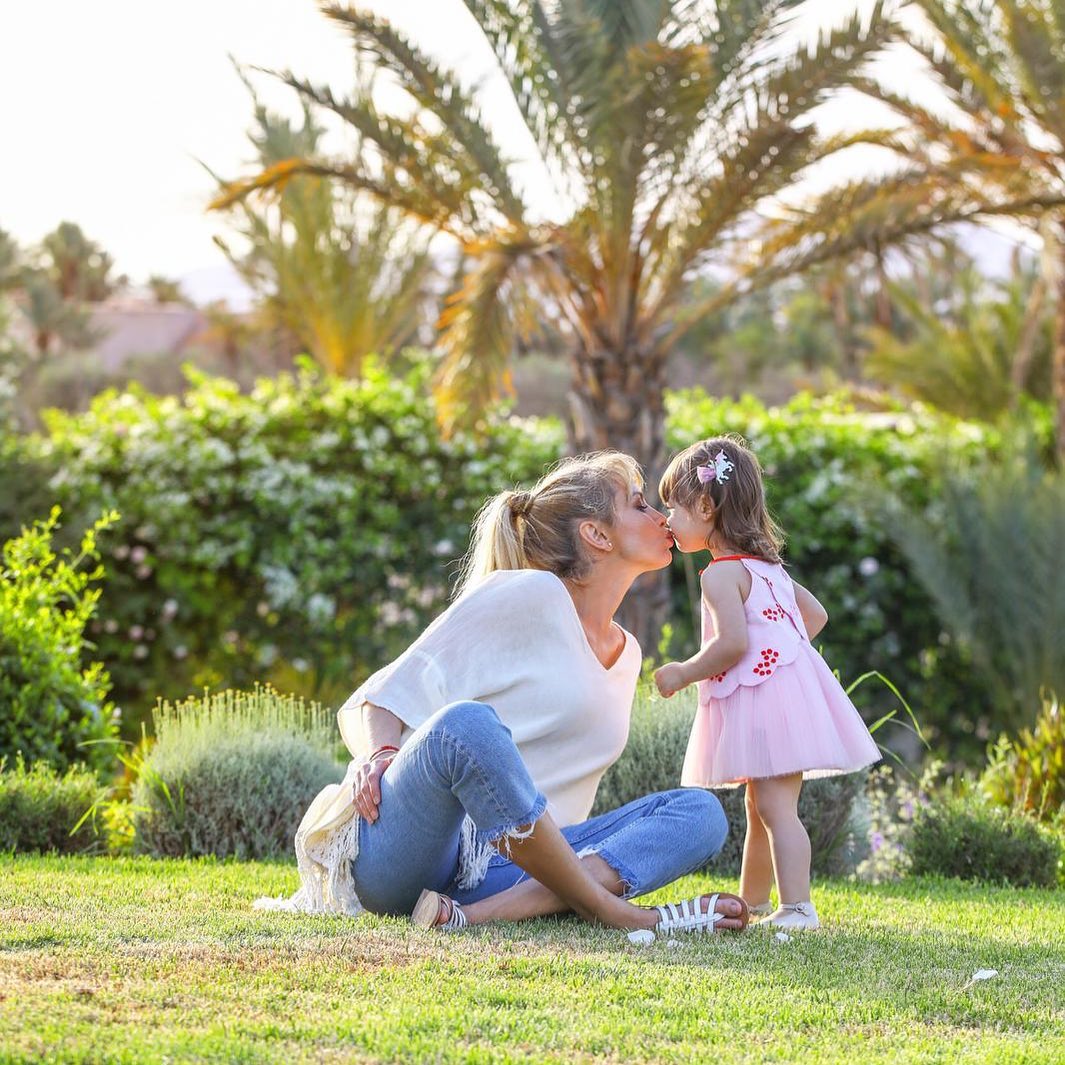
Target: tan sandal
[[435, 910]]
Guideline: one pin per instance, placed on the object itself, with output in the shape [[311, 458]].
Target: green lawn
[[142, 961]]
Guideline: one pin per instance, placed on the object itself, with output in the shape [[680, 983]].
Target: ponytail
[[539, 529]]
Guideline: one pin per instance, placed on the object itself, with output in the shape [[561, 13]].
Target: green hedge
[[304, 533], [300, 534]]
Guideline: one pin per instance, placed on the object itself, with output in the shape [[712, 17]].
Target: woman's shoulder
[[516, 585], [527, 579]]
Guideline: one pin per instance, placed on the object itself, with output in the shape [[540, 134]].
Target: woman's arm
[[365, 727], [373, 732], [814, 615], [723, 589]]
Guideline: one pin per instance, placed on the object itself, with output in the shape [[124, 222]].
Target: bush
[[232, 774], [40, 809], [1028, 774], [652, 762], [302, 533], [989, 553], [299, 534], [829, 470], [973, 841], [52, 707]]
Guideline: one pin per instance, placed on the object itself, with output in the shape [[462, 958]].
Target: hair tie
[[718, 472], [520, 503]]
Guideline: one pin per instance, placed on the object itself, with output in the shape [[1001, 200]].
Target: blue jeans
[[462, 768]]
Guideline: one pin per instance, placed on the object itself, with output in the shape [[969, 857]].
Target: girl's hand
[[367, 787], [670, 679]]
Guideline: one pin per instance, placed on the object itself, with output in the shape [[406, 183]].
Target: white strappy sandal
[[689, 915], [436, 911]]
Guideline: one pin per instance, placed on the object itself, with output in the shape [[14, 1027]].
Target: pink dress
[[780, 709]]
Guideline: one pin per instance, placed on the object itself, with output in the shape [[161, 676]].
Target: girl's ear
[[706, 507], [594, 536]]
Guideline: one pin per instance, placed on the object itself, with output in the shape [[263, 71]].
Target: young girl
[[770, 710]]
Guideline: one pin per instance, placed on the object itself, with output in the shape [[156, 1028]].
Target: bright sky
[[108, 105]]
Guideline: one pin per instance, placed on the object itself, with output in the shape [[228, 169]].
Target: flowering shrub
[[303, 534], [892, 802], [829, 472], [53, 706], [231, 775], [299, 534]]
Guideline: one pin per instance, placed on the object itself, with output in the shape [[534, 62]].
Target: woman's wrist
[[389, 750]]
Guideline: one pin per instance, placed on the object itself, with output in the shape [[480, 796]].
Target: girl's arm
[[814, 615], [723, 589]]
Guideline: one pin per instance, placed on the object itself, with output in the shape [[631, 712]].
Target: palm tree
[[79, 268], [662, 126], [346, 277], [995, 149], [965, 361]]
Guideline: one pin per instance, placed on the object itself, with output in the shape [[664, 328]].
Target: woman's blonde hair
[[539, 528], [737, 507]]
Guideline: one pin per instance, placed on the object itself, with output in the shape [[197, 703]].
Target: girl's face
[[689, 530], [639, 533]]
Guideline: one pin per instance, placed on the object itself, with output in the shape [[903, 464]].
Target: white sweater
[[515, 642]]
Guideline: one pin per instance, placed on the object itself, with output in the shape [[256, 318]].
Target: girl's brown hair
[[539, 529], [736, 507]]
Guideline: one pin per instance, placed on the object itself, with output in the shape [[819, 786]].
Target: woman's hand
[[367, 787], [671, 678]]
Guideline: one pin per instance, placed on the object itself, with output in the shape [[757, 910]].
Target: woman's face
[[640, 535]]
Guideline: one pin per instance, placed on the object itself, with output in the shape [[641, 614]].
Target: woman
[[495, 727]]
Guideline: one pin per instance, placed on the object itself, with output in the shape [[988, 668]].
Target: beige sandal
[[435, 910]]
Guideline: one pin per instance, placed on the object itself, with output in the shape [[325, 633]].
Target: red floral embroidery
[[718, 677], [768, 663], [774, 613]]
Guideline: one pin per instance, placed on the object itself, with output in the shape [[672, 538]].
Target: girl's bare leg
[[562, 882], [756, 873], [777, 802]]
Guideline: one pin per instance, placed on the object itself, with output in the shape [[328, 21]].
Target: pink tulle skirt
[[799, 720]]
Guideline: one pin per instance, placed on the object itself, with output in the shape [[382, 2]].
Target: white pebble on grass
[[981, 974]]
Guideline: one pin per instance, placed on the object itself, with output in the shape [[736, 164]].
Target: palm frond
[[476, 330], [438, 91], [1040, 60], [522, 48]]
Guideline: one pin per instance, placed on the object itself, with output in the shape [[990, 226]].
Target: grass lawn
[[142, 961]]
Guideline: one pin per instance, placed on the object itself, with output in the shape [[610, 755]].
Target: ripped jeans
[[462, 768]]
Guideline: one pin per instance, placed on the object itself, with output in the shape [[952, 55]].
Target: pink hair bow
[[718, 472]]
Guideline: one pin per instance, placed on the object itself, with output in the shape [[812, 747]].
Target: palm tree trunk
[[1058, 366], [1033, 316], [883, 295], [617, 400]]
